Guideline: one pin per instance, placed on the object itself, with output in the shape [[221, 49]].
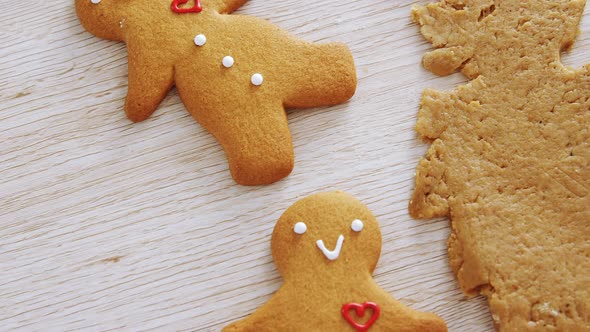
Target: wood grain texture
[[108, 225]]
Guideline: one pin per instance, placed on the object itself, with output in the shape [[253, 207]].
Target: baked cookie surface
[[326, 247], [234, 73], [510, 158]]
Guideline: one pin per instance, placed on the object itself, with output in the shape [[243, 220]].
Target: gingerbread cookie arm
[[450, 26], [430, 194], [241, 326], [444, 25], [266, 318], [408, 320], [223, 6], [252, 323], [323, 75], [103, 18], [435, 114], [149, 82]]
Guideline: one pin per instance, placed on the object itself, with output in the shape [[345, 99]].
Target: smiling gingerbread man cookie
[[326, 247], [235, 74]]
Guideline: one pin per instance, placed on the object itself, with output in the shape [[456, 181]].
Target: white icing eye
[[300, 228], [357, 225], [96, 2]]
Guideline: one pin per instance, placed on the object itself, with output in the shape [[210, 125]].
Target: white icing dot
[[200, 40], [357, 225], [257, 79], [300, 228], [228, 61], [96, 2], [531, 324]]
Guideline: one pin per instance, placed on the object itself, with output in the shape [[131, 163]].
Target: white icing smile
[[331, 254]]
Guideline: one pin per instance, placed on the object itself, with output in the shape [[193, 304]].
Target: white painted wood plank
[[109, 225]]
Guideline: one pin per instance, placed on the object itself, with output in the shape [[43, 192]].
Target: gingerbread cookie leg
[[263, 153], [257, 142], [149, 82]]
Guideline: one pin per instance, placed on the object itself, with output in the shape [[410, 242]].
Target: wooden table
[[110, 225]]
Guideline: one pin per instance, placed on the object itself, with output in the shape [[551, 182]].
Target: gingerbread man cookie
[[235, 74], [510, 157], [326, 247]]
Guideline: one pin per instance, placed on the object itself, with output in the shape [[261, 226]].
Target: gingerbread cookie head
[[466, 32], [326, 234]]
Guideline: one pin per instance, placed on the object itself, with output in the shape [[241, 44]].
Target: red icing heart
[[360, 312], [197, 8]]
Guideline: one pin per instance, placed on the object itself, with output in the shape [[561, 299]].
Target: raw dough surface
[[510, 158]]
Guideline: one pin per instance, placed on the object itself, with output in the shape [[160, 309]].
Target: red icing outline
[[197, 8], [360, 312]]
